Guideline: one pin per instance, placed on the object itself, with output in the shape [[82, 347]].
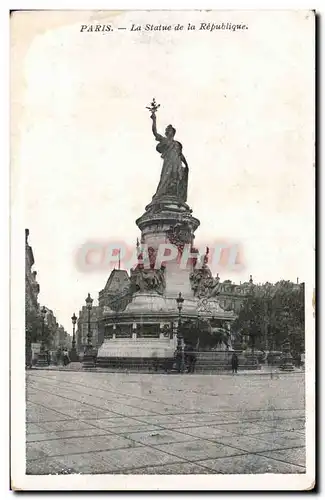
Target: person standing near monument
[[234, 363], [66, 359]]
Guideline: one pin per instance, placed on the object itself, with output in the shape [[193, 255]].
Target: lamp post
[[286, 361], [252, 336], [180, 340], [42, 357], [73, 352], [88, 359], [89, 305], [198, 330]]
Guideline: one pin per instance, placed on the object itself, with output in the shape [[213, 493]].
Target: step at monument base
[[136, 353], [220, 361]]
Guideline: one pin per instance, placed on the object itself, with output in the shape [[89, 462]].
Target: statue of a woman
[[174, 177]]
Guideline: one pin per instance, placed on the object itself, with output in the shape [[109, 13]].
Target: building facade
[[55, 335], [97, 336], [232, 295], [32, 287], [59, 337]]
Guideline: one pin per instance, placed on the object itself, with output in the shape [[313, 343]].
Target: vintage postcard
[[162, 250]]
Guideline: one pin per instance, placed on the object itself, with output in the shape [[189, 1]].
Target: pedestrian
[[66, 359], [298, 360], [234, 363], [178, 359], [190, 358], [193, 362]]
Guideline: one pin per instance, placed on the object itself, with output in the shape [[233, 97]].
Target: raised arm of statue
[[158, 137]]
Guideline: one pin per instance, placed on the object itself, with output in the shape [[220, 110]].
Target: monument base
[[136, 352], [286, 359], [287, 367], [73, 355], [89, 358], [42, 360], [220, 361]]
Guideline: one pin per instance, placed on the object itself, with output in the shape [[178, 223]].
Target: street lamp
[[89, 305], [198, 330], [88, 359], [42, 357], [180, 340], [73, 352]]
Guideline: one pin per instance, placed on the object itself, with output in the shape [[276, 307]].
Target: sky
[[84, 163]]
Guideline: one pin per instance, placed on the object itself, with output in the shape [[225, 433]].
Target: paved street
[[131, 423]]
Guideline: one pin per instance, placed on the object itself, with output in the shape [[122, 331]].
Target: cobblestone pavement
[[88, 423]]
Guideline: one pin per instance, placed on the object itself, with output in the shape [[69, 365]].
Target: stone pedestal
[[157, 223], [156, 282], [286, 359], [135, 352], [178, 280], [74, 357], [42, 360], [219, 361], [169, 222], [89, 359], [250, 362]]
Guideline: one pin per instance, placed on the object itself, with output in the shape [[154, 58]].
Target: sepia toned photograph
[[162, 250]]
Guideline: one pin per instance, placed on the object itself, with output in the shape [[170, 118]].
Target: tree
[[33, 326], [272, 313], [249, 322], [34, 329], [288, 315]]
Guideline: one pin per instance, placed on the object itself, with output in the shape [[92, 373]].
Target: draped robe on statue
[[174, 177]]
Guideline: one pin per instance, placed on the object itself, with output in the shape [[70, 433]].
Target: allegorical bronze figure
[[174, 176]]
